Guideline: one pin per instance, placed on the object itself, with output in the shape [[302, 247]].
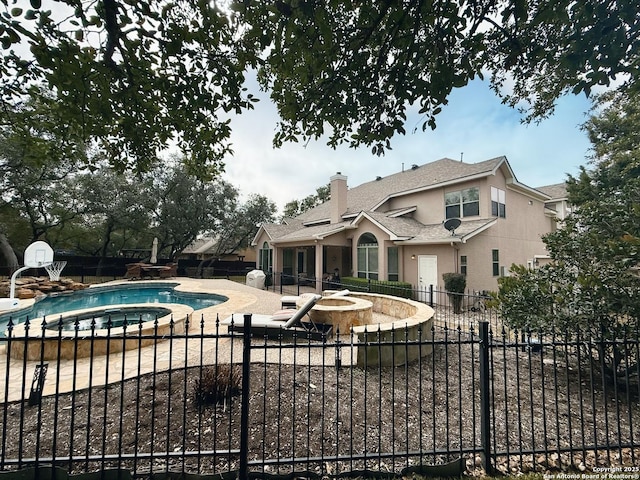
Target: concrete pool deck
[[65, 376]]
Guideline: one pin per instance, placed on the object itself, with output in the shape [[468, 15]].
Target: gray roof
[[555, 191], [363, 200], [310, 233], [436, 233], [398, 226], [366, 197]]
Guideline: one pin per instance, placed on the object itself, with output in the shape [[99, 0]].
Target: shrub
[[397, 289], [455, 284], [217, 385]]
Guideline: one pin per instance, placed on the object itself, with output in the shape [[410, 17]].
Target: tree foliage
[[133, 75], [37, 155], [138, 75], [351, 69]]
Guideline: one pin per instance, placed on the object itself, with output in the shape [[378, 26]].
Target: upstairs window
[[498, 205], [463, 203]]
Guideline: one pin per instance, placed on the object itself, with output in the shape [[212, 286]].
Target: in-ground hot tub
[[34, 341], [111, 317]]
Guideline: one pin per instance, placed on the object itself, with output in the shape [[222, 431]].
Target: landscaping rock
[[31, 287]]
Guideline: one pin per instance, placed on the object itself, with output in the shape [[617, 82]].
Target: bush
[[396, 289], [455, 284], [217, 385]]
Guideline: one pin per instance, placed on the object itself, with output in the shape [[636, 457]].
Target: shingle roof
[[367, 196], [555, 191], [436, 233], [310, 233]]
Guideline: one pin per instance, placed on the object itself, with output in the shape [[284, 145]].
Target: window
[[464, 203], [265, 258], [463, 264], [495, 260], [368, 256], [498, 206], [392, 264]]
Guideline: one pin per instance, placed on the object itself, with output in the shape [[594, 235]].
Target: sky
[[475, 125]]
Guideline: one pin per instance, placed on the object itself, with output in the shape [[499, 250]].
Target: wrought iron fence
[[199, 400]]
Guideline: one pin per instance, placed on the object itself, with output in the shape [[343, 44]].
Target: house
[[206, 248], [415, 225]]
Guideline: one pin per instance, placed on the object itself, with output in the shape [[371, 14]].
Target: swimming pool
[[120, 294]]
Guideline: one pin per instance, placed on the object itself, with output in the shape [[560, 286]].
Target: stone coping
[[179, 313], [408, 313]]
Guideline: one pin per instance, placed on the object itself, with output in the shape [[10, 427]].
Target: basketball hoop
[[54, 270]]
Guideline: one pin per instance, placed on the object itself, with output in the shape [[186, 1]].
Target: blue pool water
[[111, 295]]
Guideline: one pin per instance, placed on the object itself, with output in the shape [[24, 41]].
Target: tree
[[36, 157], [351, 70], [242, 224], [133, 75], [112, 204], [592, 283], [186, 207], [136, 74]]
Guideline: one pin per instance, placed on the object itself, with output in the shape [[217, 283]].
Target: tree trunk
[[7, 252]]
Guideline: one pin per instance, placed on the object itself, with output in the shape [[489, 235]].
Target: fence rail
[[206, 402]]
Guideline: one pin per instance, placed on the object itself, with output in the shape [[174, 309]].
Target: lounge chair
[[287, 322]]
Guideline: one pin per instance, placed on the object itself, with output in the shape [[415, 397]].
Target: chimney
[[338, 197]]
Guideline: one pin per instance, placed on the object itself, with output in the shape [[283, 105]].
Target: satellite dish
[[38, 254], [451, 224]]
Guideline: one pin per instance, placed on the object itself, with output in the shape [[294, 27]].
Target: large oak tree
[[137, 75]]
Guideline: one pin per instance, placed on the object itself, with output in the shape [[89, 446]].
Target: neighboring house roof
[[201, 245], [557, 191]]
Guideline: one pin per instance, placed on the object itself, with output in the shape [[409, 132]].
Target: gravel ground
[[330, 417], [321, 414]]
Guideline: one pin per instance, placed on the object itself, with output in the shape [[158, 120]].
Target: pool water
[[111, 295]]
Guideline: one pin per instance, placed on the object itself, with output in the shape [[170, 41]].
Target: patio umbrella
[[154, 251]]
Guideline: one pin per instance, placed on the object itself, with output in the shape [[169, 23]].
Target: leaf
[[36, 4], [16, 12]]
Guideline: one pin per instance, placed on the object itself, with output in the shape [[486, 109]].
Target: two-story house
[[415, 225]]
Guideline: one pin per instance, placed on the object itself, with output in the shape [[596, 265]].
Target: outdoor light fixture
[[413, 257]]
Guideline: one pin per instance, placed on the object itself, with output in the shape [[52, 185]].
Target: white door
[[427, 275]]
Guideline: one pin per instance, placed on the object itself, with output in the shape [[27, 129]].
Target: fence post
[[431, 295], [244, 406], [485, 406]]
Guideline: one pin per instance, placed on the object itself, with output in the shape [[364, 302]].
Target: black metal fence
[[195, 399], [430, 294]]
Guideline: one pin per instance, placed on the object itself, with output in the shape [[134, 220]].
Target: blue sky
[[474, 123]]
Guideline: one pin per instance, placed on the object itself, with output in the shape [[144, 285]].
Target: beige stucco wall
[[517, 237]]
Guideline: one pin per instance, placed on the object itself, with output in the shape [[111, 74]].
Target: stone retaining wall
[[414, 322]]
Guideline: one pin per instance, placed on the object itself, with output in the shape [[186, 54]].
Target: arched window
[[368, 256], [265, 257]]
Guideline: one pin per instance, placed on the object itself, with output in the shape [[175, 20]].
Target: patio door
[[427, 276]]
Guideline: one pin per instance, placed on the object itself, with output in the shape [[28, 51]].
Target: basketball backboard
[[38, 254]]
